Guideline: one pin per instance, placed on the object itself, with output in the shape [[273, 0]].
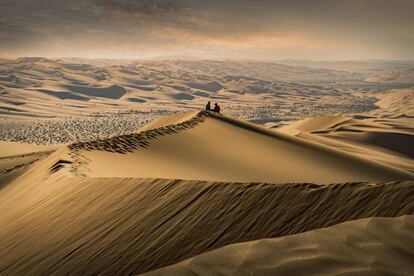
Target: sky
[[229, 29]]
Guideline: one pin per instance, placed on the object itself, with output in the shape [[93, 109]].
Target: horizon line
[[184, 57]]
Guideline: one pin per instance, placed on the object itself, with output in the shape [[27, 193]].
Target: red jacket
[[217, 108]]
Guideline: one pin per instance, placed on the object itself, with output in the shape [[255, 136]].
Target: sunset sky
[[253, 29]]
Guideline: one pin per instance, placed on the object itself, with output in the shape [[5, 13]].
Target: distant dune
[[41, 85], [397, 103], [400, 75]]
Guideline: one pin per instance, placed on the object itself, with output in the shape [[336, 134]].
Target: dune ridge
[[199, 146], [15, 158], [130, 142]]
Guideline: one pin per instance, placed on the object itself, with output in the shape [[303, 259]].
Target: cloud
[[232, 28], [143, 7]]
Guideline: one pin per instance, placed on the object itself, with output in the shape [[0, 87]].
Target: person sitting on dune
[[216, 108], [208, 106]]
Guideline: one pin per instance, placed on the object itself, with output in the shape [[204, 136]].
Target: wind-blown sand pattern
[[15, 162], [195, 192], [358, 247], [129, 143], [15, 158], [124, 226]]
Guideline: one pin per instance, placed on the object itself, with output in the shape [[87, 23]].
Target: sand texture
[[383, 139], [374, 246], [61, 225]]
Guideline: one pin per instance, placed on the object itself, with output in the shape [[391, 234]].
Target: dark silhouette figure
[[216, 108], [208, 106]]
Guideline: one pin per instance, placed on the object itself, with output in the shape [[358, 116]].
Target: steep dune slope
[[397, 99], [396, 103], [15, 158], [203, 146], [367, 150], [368, 246]]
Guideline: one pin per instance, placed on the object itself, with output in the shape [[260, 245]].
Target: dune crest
[[200, 145]]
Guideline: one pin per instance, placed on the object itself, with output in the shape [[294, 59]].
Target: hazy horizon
[[193, 58]]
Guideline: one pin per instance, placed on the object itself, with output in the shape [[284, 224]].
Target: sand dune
[[369, 246], [401, 143], [316, 123], [400, 75], [367, 151], [387, 140], [396, 103], [399, 97], [198, 145]]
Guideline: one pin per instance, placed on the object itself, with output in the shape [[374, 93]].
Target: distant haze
[[254, 29]]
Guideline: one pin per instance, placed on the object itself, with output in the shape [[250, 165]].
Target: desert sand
[[93, 182], [14, 148], [201, 148], [61, 225], [364, 246]]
